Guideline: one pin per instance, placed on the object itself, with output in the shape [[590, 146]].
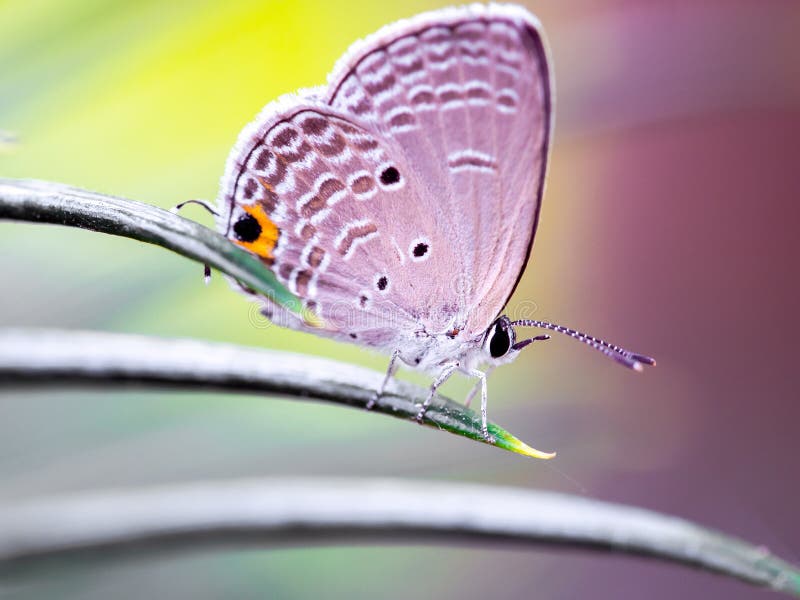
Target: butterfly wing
[[403, 197], [322, 200], [466, 94]]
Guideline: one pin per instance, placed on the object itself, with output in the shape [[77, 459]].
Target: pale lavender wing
[[403, 207], [466, 95], [321, 200]]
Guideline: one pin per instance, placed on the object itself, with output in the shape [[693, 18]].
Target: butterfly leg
[[477, 386], [202, 203], [209, 208], [443, 376], [484, 401], [393, 366]]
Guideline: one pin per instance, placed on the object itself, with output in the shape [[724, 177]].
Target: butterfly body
[[400, 201]]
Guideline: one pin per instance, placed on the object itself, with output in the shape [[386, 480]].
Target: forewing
[[326, 203], [465, 94]]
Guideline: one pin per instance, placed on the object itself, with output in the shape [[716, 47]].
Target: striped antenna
[[624, 357]]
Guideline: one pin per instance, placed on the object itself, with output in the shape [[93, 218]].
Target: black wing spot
[[390, 176], [247, 229]]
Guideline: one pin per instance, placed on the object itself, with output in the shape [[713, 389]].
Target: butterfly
[[400, 201]]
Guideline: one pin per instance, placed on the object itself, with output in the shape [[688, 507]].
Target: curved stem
[[48, 202], [34, 357], [324, 511]]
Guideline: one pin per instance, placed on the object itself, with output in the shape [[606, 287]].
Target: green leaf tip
[[503, 439], [456, 418]]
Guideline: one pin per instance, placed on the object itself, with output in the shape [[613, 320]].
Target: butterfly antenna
[[627, 358]]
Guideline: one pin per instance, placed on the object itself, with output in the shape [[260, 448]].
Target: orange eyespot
[[255, 231]]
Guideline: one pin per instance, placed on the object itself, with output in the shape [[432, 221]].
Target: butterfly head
[[500, 345], [629, 359]]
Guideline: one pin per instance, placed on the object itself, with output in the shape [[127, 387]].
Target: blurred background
[[669, 226]]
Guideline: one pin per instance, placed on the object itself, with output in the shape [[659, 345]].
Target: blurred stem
[[55, 358], [48, 202], [299, 511]]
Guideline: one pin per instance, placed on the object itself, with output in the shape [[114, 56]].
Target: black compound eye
[[500, 343], [247, 229]]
